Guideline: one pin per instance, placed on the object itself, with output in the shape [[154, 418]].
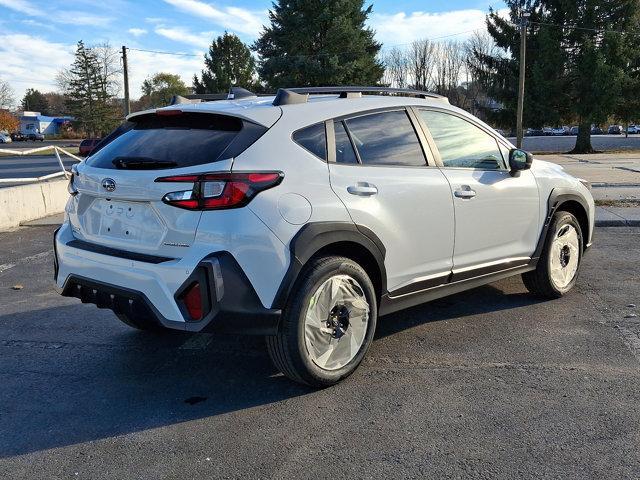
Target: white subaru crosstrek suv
[[305, 216]]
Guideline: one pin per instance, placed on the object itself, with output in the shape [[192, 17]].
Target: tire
[[140, 323], [559, 264], [310, 346]]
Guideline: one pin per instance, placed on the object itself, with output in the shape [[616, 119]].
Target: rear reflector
[[193, 301], [213, 191]]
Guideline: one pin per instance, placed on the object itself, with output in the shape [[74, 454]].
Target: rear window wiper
[[142, 163]]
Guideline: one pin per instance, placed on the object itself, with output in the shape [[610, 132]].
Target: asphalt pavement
[[490, 383]]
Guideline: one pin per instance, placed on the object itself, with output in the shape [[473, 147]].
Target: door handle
[[362, 189], [465, 192]]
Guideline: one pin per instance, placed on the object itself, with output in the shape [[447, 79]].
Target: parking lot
[[491, 383]]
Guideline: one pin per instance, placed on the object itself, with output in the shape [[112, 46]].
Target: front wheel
[[558, 266], [328, 323]]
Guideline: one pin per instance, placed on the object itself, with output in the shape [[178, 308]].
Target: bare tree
[[476, 49], [448, 70], [421, 64], [396, 71], [7, 96]]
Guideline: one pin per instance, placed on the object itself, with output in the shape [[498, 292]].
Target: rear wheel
[[328, 323], [558, 267]]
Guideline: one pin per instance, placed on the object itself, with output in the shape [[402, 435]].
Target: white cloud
[[145, 64], [32, 62], [180, 34], [73, 17], [230, 18], [21, 6], [137, 32], [401, 28]]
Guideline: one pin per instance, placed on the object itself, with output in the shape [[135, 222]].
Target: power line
[[165, 53], [303, 55], [576, 27]]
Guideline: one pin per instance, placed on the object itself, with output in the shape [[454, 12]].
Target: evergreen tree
[[227, 64], [158, 90], [35, 101], [572, 74], [318, 43], [88, 92]]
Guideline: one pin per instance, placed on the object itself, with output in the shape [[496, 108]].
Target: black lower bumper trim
[[238, 310]]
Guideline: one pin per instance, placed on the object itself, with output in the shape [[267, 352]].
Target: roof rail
[[350, 92]]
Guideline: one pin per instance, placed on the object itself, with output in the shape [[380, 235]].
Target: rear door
[[379, 170], [497, 215], [120, 205]]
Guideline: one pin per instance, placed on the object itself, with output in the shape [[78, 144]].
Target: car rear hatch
[[120, 205]]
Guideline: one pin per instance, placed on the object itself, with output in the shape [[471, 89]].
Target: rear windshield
[[151, 142]]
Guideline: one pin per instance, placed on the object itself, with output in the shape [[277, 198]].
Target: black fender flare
[[312, 237], [557, 197]]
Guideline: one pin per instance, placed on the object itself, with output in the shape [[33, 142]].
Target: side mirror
[[519, 160]]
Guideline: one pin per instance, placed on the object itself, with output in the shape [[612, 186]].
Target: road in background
[[491, 383], [566, 144], [32, 144]]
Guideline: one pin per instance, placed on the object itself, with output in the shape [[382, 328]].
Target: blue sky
[[37, 38]]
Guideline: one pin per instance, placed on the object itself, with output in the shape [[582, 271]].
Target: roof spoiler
[[235, 93]]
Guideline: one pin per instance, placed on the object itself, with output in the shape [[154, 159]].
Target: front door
[[497, 215], [380, 173]]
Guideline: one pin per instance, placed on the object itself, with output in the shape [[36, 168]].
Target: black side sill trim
[[114, 252]]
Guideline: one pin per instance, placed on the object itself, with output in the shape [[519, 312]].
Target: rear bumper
[[153, 290]]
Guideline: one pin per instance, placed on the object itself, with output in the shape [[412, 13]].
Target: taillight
[[193, 301], [215, 191]]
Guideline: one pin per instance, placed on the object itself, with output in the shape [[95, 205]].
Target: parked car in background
[[615, 130], [574, 131], [18, 137], [558, 131], [35, 136], [596, 131], [534, 132], [632, 129], [547, 131], [87, 145], [5, 138], [300, 218]]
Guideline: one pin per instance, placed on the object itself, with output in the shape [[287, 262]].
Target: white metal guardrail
[[57, 150]]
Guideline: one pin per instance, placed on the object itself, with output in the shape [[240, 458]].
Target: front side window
[[386, 138], [462, 144], [313, 139]]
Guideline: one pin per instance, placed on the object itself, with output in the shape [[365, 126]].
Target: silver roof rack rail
[[349, 92]]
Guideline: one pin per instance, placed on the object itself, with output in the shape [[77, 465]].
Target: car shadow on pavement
[[485, 299], [74, 374]]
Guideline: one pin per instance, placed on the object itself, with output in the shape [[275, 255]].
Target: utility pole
[[523, 53], [127, 104]]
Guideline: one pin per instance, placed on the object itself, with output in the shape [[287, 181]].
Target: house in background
[[33, 122]]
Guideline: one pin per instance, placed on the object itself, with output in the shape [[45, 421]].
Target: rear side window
[[183, 140], [313, 139], [386, 138]]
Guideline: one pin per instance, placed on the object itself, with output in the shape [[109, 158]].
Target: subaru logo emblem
[[108, 184]]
